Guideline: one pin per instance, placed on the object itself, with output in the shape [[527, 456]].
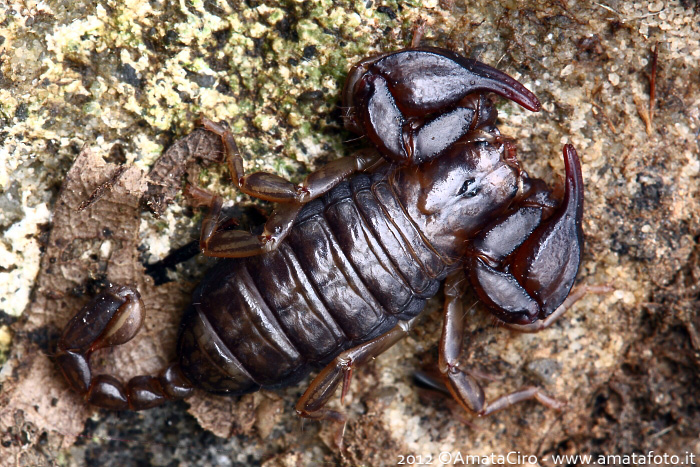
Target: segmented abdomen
[[352, 266]]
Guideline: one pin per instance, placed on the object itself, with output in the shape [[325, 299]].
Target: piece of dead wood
[[103, 188], [643, 112], [165, 177], [652, 82], [647, 113], [605, 117]]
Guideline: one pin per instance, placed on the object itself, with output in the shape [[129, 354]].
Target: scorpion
[[344, 265]]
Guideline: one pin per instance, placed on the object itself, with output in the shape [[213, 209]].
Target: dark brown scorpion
[[344, 266]]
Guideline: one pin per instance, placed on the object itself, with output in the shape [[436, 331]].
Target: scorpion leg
[[577, 293], [312, 402], [271, 187], [462, 383], [113, 318], [224, 243], [218, 241]]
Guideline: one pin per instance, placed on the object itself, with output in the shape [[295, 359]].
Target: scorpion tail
[[113, 318], [524, 265]]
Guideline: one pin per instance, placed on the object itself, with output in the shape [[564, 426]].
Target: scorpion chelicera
[[343, 267]]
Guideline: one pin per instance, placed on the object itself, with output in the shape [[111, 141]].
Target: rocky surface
[[127, 79]]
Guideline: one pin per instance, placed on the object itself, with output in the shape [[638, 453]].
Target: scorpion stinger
[[110, 319]]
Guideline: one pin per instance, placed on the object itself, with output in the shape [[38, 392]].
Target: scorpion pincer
[[343, 267]]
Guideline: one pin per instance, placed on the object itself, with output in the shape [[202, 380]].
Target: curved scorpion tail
[[524, 264], [113, 318]]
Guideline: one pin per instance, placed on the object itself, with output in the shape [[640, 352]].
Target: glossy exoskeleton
[[344, 266]]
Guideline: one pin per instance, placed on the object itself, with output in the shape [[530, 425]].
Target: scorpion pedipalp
[[414, 103], [524, 264]]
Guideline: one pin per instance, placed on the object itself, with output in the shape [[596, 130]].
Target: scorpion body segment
[[353, 265], [343, 267]]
